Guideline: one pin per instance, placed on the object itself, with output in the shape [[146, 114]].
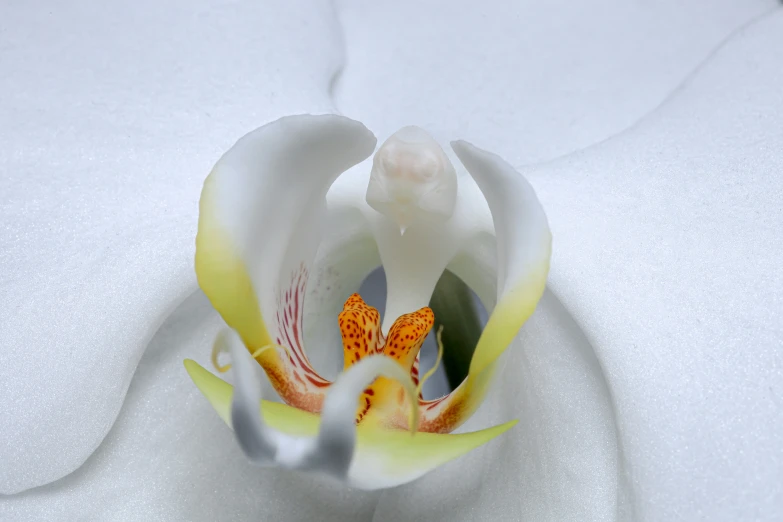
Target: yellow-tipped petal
[[261, 215], [524, 245], [388, 458], [511, 312], [217, 391], [280, 416], [383, 458], [222, 273]]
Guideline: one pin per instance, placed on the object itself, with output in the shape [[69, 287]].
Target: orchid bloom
[[263, 212]]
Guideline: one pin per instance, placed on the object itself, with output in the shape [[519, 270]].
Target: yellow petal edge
[[222, 274], [397, 456]]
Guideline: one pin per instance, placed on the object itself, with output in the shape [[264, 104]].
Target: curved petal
[[96, 241], [337, 433], [346, 255], [524, 245], [178, 459], [333, 448], [255, 439], [382, 458], [260, 218]]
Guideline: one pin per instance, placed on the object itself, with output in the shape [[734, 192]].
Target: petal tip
[[216, 390], [461, 146], [191, 366]]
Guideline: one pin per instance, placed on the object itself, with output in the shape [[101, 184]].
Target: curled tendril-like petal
[[332, 450], [220, 346]]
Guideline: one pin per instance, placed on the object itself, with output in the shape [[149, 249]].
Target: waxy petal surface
[[260, 214], [109, 117]]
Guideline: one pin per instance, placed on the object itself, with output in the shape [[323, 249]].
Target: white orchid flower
[[263, 211], [649, 381]]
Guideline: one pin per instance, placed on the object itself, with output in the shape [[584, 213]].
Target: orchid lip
[[264, 210]]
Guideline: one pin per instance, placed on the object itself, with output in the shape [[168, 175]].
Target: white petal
[[263, 208], [169, 457], [415, 260], [551, 381], [671, 264], [106, 139], [667, 258], [332, 450], [346, 255], [524, 242], [523, 248], [383, 458], [256, 440], [606, 64], [261, 216], [337, 434]]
